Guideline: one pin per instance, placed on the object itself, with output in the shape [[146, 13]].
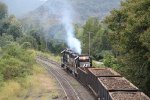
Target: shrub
[[1, 78], [15, 62], [26, 45]]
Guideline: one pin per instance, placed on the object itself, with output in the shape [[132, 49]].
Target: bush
[[26, 45], [111, 61], [15, 62], [1, 79], [12, 68], [5, 40]]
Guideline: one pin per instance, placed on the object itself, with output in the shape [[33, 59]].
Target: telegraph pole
[[46, 40], [89, 42]]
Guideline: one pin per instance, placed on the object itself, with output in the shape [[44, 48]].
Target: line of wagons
[[105, 83]]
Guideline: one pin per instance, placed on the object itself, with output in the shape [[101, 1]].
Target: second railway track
[[68, 89]]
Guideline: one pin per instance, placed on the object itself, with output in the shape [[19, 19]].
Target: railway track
[[104, 83], [68, 89]]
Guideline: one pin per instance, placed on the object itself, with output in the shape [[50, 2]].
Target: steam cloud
[[67, 20], [57, 9]]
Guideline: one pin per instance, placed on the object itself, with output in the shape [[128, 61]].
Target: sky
[[21, 7]]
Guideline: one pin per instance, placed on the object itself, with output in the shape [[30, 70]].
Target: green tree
[[29, 39], [15, 28], [129, 37], [5, 39], [98, 38], [3, 10], [90, 28], [4, 25], [37, 35], [11, 26]]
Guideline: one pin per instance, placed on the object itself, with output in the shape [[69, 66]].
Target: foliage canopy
[[130, 36]]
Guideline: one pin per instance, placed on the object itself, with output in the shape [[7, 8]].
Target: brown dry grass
[[39, 85]]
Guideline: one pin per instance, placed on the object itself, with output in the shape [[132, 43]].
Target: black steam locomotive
[[71, 61]]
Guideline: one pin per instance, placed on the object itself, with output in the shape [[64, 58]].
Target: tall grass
[[49, 55], [30, 87]]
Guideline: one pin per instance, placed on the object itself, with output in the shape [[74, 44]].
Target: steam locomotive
[[71, 61]]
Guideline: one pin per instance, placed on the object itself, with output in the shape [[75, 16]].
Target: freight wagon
[[105, 83]]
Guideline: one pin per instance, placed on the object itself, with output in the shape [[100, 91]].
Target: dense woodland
[[121, 41], [130, 40]]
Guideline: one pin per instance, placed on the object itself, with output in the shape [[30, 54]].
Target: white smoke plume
[[60, 11], [67, 20]]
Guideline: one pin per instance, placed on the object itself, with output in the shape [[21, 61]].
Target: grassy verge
[[38, 85], [98, 64], [56, 58]]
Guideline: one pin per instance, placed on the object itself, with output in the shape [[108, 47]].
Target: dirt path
[[72, 89]]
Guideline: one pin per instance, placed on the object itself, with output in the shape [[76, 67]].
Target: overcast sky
[[21, 7]]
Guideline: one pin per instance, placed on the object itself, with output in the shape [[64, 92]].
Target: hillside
[[83, 9], [49, 15]]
